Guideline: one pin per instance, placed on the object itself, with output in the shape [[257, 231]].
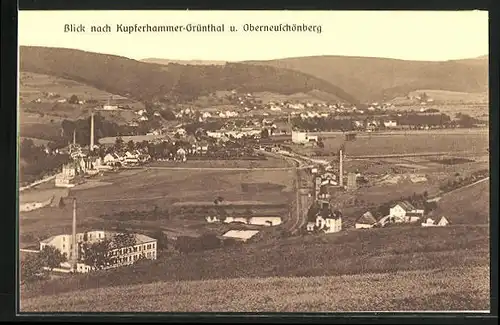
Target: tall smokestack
[[341, 168], [92, 131], [74, 137], [73, 236]]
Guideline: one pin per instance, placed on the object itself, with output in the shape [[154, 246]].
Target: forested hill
[[371, 79], [147, 81]]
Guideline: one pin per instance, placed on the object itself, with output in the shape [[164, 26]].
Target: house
[[428, 223], [366, 221], [322, 218], [181, 154], [390, 124], [143, 118], [212, 219], [443, 222], [404, 211], [111, 158], [144, 246]]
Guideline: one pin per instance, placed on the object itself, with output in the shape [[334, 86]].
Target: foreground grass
[[436, 290], [386, 250]]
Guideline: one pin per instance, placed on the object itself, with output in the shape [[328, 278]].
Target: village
[[253, 141]]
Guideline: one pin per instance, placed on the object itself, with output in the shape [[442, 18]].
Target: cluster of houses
[[401, 212]]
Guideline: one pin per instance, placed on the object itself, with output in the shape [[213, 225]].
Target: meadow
[[385, 250], [401, 143], [429, 290]]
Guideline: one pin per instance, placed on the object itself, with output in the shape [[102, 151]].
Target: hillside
[[437, 290], [145, 81], [466, 205], [185, 62], [386, 250], [373, 79]]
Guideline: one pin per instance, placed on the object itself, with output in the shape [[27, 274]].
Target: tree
[[118, 144], [73, 99], [131, 145], [124, 239], [31, 269], [51, 257], [96, 255], [167, 115], [161, 238]]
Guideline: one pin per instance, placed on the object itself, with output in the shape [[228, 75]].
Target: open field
[[269, 162], [385, 250], [376, 144], [143, 190], [33, 84], [435, 290]]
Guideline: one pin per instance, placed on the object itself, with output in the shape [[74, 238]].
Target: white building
[[109, 108], [325, 219], [431, 223], [390, 124], [66, 176], [303, 137], [241, 235], [144, 246], [256, 221], [405, 212]]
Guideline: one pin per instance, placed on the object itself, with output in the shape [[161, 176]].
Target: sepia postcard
[[253, 161]]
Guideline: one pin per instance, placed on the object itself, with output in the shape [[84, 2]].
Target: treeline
[[174, 82], [411, 120], [36, 163]]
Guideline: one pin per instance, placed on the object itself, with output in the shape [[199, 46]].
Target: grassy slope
[[389, 77], [467, 204], [350, 252], [145, 81], [436, 290]]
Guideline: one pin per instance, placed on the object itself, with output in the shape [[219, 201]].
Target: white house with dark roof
[[323, 218], [404, 211]]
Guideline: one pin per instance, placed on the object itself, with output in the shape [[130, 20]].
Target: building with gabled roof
[[404, 211], [367, 220], [321, 217]]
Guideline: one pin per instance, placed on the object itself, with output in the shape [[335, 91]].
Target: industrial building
[[68, 245]]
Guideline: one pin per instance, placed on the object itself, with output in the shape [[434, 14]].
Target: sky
[[417, 35]]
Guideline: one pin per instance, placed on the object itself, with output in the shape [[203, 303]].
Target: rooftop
[[241, 234]]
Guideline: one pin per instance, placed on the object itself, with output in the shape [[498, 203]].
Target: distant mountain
[[370, 79], [185, 62], [148, 81]]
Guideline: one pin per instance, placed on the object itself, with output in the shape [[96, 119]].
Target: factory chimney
[[74, 137], [341, 167], [92, 131], [73, 238]]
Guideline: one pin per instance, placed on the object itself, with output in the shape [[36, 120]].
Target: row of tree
[[37, 162]]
